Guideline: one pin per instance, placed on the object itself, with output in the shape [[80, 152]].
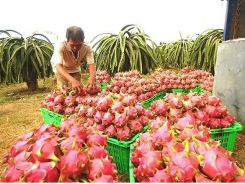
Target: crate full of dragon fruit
[[120, 151], [227, 136], [50, 117]]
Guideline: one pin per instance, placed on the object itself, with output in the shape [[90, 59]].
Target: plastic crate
[[197, 90], [177, 90], [120, 151], [103, 86], [227, 136], [50, 117], [131, 167], [147, 102], [159, 96]]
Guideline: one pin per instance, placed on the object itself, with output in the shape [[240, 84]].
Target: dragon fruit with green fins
[[65, 153]]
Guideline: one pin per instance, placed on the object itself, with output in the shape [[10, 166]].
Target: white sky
[[162, 20]]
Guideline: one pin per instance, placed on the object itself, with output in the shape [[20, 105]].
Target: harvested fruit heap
[[178, 148], [64, 101], [186, 78], [68, 153], [102, 77], [166, 154], [207, 109], [118, 116], [133, 83]]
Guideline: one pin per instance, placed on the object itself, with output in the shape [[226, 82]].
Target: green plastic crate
[[50, 117], [103, 86], [159, 96], [147, 102], [177, 90], [120, 151], [227, 136], [197, 90], [131, 167]]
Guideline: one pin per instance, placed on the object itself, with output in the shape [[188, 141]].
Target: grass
[[19, 112]]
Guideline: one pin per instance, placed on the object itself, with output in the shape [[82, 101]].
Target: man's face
[[75, 45]]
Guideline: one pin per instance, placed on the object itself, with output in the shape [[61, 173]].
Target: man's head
[[75, 37], [75, 33]]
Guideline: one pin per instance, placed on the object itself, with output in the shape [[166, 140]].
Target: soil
[[239, 149]]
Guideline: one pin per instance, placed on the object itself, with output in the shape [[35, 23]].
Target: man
[[67, 59]]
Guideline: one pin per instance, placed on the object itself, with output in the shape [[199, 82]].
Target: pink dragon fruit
[[117, 107], [97, 152], [135, 125], [217, 165], [120, 120], [72, 164], [99, 167], [98, 139], [124, 133], [107, 119], [45, 150], [104, 103], [16, 172], [111, 131]]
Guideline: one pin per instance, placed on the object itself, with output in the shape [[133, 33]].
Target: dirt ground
[[239, 149]]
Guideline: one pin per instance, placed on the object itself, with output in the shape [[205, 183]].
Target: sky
[[162, 20]]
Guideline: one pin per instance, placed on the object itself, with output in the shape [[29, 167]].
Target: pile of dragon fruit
[[118, 116], [167, 153], [65, 100], [102, 77], [178, 148], [132, 83], [206, 108], [186, 78], [68, 153]]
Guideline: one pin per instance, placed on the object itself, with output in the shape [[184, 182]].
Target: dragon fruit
[[45, 150], [99, 167], [73, 164]]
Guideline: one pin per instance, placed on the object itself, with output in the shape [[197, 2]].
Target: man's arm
[[76, 85], [92, 74]]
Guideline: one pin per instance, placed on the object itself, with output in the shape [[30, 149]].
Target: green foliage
[[200, 53], [176, 54], [25, 59], [126, 51], [204, 49]]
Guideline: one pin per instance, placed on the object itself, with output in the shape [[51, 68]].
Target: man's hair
[[74, 33]]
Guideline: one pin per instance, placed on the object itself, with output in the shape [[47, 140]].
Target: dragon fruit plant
[[182, 153], [68, 153]]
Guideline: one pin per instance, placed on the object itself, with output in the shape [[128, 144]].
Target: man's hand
[[91, 82], [76, 86]]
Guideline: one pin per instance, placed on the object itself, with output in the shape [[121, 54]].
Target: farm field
[[20, 113]]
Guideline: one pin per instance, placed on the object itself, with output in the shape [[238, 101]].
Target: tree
[[126, 51], [203, 54], [25, 60]]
